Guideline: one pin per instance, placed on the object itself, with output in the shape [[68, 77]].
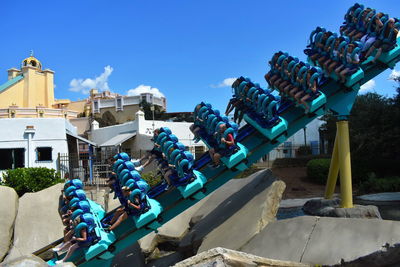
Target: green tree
[[107, 119], [148, 113], [374, 134]]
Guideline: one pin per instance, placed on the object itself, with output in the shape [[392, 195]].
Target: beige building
[[29, 93], [113, 107]]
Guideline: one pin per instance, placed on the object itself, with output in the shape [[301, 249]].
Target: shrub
[[25, 180], [376, 185], [151, 178], [317, 170]]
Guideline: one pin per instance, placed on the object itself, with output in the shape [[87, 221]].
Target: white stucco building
[[134, 137], [309, 136], [36, 142]]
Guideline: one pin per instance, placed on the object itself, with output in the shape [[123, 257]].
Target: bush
[[376, 185], [25, 180], [151, 178], [317, 170]]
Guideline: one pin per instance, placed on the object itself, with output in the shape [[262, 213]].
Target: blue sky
[[186, 49]]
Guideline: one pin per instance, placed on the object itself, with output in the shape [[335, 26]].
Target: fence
[[91, 170], [288, 150], [94, 169]]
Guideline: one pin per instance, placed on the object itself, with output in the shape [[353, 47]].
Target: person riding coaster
[[129, 181], [74, 182], [83, 234], [261, 105], [215, 125], [176, 164]]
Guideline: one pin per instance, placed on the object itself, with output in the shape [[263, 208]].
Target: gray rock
[[220, 257], [331, 208], [218, 197], [387, 203], [148, 243], [131, 256], [38, 222], [25, 261], [169, 260], [283, 240], [171, 232], [175, 229], [324, 240], [295, 202], [387, 256], [8, 211], [235, 214]]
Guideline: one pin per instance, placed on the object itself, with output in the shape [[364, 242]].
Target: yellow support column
[[333, 171], [346, 190]]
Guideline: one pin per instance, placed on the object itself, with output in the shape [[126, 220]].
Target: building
[[35, 126], [134, 137], [309, 136], [38, 142], [122, 108], [29, 93]]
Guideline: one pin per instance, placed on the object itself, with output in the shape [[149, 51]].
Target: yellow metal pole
[[344, 164], [333, 171]]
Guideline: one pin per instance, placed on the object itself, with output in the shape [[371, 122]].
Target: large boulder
[[387, 203], [222, 257], [31, 261], [175, 229], [235, 213], [25, 261], [331, 208], [8, 211], [131, 256], [38, 222], [323, 240], [172, 232]]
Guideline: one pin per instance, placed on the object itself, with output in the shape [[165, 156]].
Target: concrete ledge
[[226, 257]]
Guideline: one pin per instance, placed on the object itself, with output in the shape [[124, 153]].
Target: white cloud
[[225, 83], [99, 82], [394, 74], [368, 86], [141, 89]]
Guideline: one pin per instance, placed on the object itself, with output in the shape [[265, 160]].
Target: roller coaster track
[[338, 98]]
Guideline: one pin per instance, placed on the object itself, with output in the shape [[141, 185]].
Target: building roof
[[11, 82], [118, 139], [81, 138]]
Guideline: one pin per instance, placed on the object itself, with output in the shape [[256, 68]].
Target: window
[[12, 158], [95, 106], [44, 153], [118, 105]]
